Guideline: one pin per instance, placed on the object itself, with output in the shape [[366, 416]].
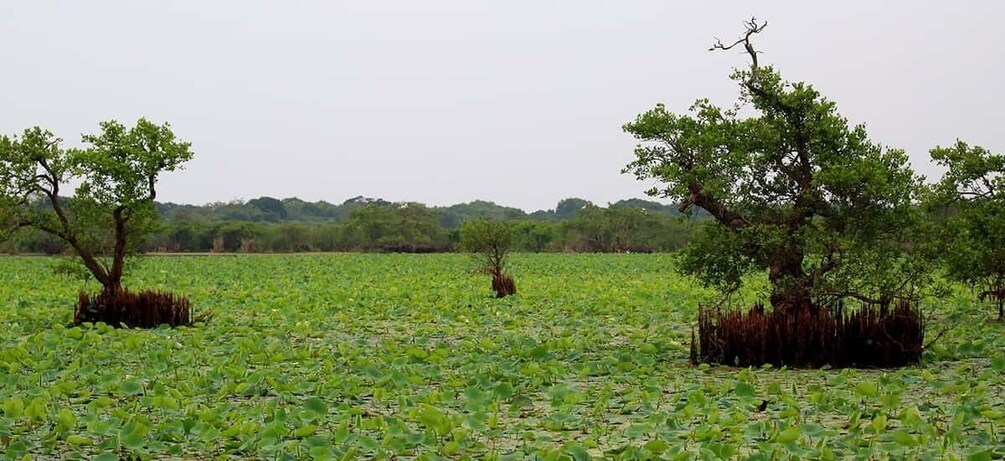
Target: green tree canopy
[[409, 227], [971, 196], [792, 187], [489, 243], [112, 207]]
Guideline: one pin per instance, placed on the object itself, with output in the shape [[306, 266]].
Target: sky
[[519, 102]]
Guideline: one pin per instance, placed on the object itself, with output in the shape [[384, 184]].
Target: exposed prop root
[[869, 337], [145, 309], [503, 285]]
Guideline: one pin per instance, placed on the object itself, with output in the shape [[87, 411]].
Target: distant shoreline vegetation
[[360, 224]]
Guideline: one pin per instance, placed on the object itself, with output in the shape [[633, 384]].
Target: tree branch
[[713, 206], [862, 297], [939, 336], [99, 271], [801, 171], [829, 263], [151, 181], [9, 231], [752, 28]]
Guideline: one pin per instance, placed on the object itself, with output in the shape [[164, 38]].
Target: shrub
[[489, 243]]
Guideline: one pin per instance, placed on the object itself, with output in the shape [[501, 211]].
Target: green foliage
[[721, 257], [489, 243], [533, 236], [268, 225], [568, 208], [112, 207], [273, 209], [408, 227], [453, 216], [338, 356], [618, 229], [792, 187], [970, 204]]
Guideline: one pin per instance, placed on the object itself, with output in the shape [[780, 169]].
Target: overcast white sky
[[518, 102]]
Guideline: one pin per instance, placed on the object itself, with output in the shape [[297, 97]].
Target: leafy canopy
[[971, 196], [111, 208], [489, 242], [792, 186]]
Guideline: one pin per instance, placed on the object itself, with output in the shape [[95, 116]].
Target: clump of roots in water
[[144, 309], [808, 337], [503, 285]]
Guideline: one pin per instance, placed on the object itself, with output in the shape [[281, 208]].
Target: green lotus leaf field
[[360, 356]]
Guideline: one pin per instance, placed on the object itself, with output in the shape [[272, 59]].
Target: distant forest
[[270, 225]]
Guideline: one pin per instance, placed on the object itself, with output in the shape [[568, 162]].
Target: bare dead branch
[[753, 27]]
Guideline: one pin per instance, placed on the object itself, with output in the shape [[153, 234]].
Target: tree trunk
[[998, 294], [110, 280], [789, 284], [114, 279], [112, 287]]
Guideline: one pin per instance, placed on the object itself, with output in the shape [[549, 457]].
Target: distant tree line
[[269, 225]]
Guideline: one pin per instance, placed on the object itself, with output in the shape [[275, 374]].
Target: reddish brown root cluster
[[868, 337], [503, 285], [144, 309]]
